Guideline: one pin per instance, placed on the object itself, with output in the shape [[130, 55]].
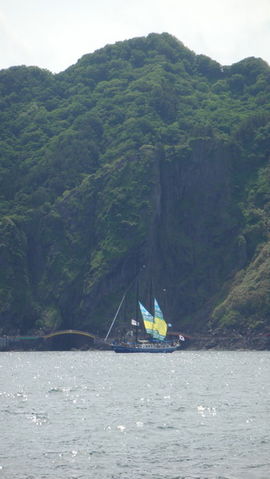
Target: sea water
[[102, 415]]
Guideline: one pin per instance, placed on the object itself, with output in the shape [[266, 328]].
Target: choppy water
[[84, 415]]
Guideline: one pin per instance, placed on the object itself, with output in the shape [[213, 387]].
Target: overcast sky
[[54, 34]]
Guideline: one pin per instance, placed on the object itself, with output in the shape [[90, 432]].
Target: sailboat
[[156, 329]]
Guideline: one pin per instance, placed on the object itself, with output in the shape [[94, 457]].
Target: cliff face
[[143, 159], [197, 234]]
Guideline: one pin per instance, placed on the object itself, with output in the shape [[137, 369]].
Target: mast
[[137, 310], [151, 308]]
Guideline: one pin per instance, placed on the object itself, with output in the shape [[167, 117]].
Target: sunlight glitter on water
[[103, 416]]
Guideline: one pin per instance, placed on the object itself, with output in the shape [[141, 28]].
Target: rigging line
[[121, 302], [116, 314]]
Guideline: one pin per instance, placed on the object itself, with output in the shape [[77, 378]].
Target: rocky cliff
[[145, 160]]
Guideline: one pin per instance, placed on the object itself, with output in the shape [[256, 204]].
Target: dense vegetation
[[142, 156]]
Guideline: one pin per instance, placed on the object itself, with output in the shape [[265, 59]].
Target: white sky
[[54, 34]]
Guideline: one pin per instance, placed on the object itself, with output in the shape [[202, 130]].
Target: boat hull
[[144, 349]]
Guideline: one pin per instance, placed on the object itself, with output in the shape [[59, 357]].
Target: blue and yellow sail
[[155, 325], [148, 320], [160, 325]]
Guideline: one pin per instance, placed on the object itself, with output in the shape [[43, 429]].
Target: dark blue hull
[[144, 349]]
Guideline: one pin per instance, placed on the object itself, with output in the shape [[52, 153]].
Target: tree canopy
[[142, 153]]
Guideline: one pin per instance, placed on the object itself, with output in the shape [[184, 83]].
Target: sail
[[160, 325], [147, 319]]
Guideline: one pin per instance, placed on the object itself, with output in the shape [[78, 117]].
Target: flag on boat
[[135, 323], [181, 337]]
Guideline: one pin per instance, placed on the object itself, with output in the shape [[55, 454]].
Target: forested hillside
[[140, 157]]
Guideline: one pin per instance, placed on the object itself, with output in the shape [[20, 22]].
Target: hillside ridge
[[142, 155]]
